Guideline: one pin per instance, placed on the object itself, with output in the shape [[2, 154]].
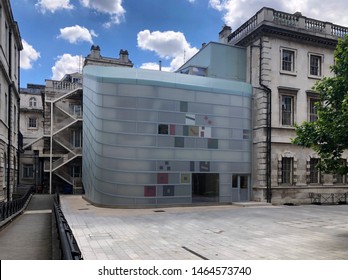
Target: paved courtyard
[[253, 232]]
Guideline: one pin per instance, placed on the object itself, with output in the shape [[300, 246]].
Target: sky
[[58, 34]]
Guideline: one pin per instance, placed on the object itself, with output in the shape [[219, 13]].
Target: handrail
[[68, 245], [10, 208]]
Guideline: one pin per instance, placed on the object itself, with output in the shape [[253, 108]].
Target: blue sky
[[57, 34]]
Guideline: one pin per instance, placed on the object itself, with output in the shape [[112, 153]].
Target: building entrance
[[205, 187], [240, 187]]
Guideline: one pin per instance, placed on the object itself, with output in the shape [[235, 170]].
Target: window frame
[[28, 169], [292, 111], [32, 102], [287, 175], [312, 116], [30, 122], [320, 66], [293, 64], [314, 172], [76, 138]]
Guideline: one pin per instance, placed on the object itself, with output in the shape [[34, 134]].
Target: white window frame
[[76, 109], [76, 138], [292, 112], [32, 102], [30, 123], [312, 117], [320, 66], [293, 66]]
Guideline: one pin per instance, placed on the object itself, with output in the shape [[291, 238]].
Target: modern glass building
[[158, 138]]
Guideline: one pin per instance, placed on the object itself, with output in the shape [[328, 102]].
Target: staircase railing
[[9, 209], [69, 249]]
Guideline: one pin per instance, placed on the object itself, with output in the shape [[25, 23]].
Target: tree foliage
[[328, 136]]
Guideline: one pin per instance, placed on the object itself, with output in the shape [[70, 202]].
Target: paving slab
[[226, 232]]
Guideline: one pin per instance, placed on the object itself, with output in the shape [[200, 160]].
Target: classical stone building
[[31, 127], [286, 55], [10, 138], [95, 58]]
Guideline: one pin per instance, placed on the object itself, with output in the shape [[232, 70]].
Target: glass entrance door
[[240, 187]]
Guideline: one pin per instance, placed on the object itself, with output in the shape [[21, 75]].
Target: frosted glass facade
[[151, 137]]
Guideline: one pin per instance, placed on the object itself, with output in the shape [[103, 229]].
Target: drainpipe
[[9, 134], [268, 130], [19, 141]]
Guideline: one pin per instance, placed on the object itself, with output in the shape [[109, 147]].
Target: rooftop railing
[[267, 15]]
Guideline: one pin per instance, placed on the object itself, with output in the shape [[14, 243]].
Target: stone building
[[286, 55], [31, 127], [10, 138]]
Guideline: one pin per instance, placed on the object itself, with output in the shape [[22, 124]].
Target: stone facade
[[9, 102], [31, 126], [287, 55]]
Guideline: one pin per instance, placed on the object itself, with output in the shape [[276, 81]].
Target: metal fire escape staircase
[[57, 137]]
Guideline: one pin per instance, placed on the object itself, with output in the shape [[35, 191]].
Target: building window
[[315, 62], [288, 60], [15, 119], [28, 171], [162, 129], [287, 170], [4, 177], [313, 111], [314, 173], [76, 110], [287, 109], [6, 109], [32, 122], [76, 138], [32, 102], [240, 181]]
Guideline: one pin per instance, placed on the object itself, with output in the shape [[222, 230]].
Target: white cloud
[[155, 66], [77, 33], [111, 7], [168, 45], [66, 64], [28, 56], [53, 5], [236, 12]]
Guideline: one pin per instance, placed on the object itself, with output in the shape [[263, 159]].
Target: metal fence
[[69, 248], [328, 198], [10, 208]]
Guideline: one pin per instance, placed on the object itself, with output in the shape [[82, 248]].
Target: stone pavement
[[29, 235], [306, 232]]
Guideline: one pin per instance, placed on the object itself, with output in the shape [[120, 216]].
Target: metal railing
[[67, 243], [10, 208], [329, 198]]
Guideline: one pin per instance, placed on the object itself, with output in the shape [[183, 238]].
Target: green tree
[[328, 136]]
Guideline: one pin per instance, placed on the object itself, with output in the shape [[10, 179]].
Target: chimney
[[95, 52], [124, 56], [224, 33]]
